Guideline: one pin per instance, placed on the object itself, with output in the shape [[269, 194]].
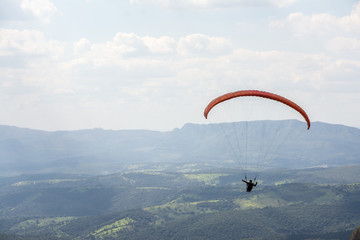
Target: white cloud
[[343, 73], [162, 45], [327, 33], [126, 45], [354, 17], [28, 42], [212, 4], [133, 53], [277, 69], [323, 24], [130, 43], [172, 4], [199, 44], [282, 3], [344, 46], [145, 73], [42, 9], [134, 63], [40, 72], [82, 46], [127, 55]]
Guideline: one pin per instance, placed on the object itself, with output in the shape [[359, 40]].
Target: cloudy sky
[[155, 64]]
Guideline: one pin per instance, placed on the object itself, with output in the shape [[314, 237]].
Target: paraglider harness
[[250, 184]]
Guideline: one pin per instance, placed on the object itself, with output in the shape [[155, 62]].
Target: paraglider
[[257, 93], [250, 185], [252, 148]]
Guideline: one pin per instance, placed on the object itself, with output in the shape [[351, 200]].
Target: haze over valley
[[98, 151]]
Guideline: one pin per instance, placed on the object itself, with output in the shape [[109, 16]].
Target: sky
[[156, 64]]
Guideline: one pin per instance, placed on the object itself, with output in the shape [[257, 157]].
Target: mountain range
[[99, 151]]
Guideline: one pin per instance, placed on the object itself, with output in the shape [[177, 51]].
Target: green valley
[[296, 204]]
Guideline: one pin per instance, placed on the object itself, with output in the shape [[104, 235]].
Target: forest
[[321, 203]]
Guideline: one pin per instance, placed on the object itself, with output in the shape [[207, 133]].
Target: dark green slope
[[310, 215], [196, 205], [268, 223], [289, 211]]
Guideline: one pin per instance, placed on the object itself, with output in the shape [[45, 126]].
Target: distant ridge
[[98, 151]]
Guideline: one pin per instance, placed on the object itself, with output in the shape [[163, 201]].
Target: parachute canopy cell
[[257, 93]]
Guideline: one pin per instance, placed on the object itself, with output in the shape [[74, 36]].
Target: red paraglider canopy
[[257, 93]]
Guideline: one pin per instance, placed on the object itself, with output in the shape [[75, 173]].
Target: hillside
[[173, 205], [98, 151]]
